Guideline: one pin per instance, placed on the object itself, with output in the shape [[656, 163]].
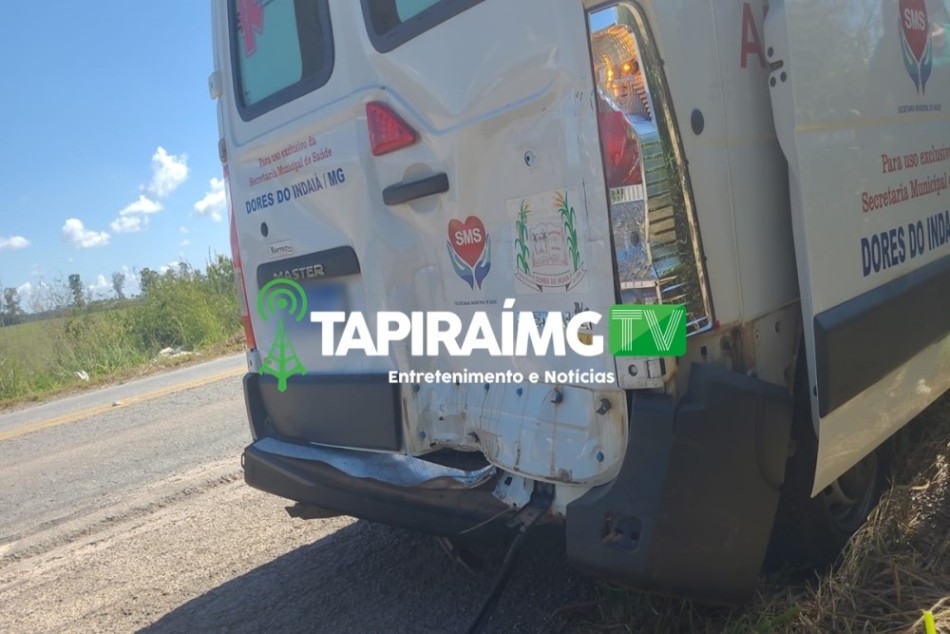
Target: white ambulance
[[778, 169]]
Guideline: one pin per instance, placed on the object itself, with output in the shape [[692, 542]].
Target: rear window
[[280, 50], [392, 23]]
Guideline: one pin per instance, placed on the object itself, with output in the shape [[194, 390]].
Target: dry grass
[[233, 345], [895, 567]]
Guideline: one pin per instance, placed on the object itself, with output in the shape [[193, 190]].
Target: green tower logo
[[281, 297]]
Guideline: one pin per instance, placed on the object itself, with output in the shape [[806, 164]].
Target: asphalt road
[[125, 509]]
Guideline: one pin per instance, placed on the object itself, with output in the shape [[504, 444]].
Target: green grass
[[27, 357], [32, 340], [188, 309]]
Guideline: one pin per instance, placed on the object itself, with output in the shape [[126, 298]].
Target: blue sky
[[109, 140]]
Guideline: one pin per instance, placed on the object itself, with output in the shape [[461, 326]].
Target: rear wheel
[[850, 498], [810, 531]]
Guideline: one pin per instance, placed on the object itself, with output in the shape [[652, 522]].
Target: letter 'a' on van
[[407, 176]]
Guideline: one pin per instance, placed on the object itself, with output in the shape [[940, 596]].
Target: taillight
[[657, 258], [239, 270], [621, 153], [613, 130], [387, 131]]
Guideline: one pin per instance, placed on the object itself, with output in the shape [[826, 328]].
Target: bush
[[180, 308], [188, 309], [98, 343]]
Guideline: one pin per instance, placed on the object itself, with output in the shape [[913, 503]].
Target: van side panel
[[862, 108]]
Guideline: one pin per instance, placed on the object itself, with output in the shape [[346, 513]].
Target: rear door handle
[[406, 192]]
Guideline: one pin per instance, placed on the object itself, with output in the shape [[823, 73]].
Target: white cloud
[[214, 202], [40, 296], [13, 243], [129, 224], [171, 265], [183, 230], [131, 286], [134, 217], [185, 243], [76, 233], [169, 171], [25, 291], [144, 205], [102, 285]]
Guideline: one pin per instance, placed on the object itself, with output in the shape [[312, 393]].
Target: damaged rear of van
[[452, 221]]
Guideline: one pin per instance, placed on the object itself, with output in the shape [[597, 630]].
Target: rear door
[[861, 96], [502, 197]]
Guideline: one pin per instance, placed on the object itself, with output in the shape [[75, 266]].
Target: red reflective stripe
[[251, 342], [387, 131]]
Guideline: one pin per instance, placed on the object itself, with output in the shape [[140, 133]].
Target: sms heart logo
[[469, 248], [916, 43]]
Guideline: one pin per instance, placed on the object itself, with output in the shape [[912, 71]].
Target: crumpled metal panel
[[553, 433], [395, 469]]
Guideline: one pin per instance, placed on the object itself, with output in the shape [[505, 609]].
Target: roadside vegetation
[[894, 568], [75, 339]]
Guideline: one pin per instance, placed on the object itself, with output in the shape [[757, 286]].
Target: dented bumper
[[692, 510], [690, 513], [390, 489]]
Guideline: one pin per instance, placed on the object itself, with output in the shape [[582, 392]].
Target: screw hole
[[698, 122]]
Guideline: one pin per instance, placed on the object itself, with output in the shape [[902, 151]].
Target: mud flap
[[691, 511]]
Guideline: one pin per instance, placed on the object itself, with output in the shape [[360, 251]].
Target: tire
[[809, 532]]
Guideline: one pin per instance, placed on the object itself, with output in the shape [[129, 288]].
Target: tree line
[[65, 296]]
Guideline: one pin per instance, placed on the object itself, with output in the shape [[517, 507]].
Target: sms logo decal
[[470, 250], [916, 43]]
